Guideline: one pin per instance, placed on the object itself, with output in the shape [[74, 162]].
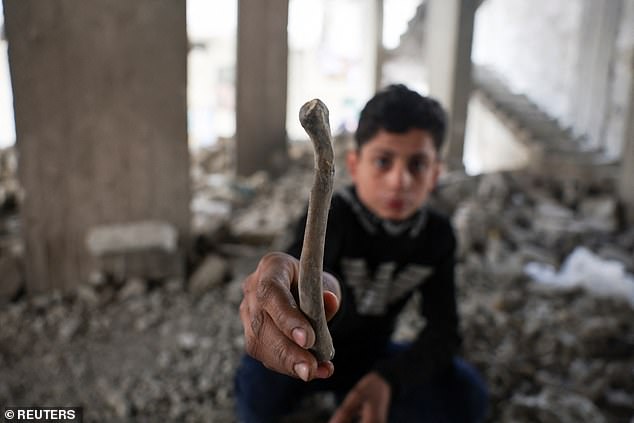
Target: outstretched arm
[[276, 332]]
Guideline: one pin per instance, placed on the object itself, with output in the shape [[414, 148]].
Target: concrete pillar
[[100, 107], [261, 86], [626, 181], [448, 47], [597, 38], [380, 51]]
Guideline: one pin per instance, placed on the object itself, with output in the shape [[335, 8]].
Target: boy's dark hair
[[398, 109]]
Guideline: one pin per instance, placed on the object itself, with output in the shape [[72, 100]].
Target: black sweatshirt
[[379, 265]]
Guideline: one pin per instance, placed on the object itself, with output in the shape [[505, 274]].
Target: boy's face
[[395, 173]]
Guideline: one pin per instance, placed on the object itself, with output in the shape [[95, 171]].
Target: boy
[[382, 245]]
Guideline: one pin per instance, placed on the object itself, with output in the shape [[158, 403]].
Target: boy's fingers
[[331, 304], [325, 369], [269, 290], [276, 331], [331, 284], [277, 273], [332, 295], [264, 342], [286, 315], [348, 409]]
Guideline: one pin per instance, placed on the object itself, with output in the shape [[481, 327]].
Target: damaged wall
[[572, 59]]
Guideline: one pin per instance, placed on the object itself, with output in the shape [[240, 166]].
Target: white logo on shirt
[[373, 295]]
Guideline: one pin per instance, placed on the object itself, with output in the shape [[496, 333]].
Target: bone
[[314, 118]]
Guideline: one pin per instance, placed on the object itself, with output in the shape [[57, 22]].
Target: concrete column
[[261, 86], [100, 107], [448, 47], [597, 38], [626, 181], [380, 51]]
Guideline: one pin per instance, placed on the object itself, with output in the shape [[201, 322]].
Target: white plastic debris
[[582, 268]]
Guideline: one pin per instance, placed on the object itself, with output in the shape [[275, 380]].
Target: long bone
[[314, 118]]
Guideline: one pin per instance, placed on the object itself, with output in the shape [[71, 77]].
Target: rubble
[[568, 408], [208, 275], [138, 349]]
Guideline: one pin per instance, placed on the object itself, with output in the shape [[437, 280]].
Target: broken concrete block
[[145, 249], [599, 213], [210, 218], [134, 287], [87, 295], [132, 236], [256, 228], [209, 274], [470, 221]]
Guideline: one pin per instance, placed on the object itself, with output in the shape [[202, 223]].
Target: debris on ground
[[552, 347]]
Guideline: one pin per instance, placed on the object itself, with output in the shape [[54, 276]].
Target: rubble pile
[[160, 354], [165, 350], [550, 352]]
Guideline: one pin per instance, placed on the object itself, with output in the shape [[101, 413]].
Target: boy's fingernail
[[301, 370], [323, 372], [299, 336]]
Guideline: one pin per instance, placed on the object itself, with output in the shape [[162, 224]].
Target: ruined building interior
[[150, 154]]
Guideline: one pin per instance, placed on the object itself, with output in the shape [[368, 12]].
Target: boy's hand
[[276, 332], [369, 400]]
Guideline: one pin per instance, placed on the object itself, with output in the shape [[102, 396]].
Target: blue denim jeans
[[459, 395]]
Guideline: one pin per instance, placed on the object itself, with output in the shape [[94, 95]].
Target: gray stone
[[208, 275], [87, 295], [133, 287], [187, 341], [116, 400], [234, 291], [69, 328], [599, 213]]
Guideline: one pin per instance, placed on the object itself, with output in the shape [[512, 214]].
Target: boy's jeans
[[460, 395]]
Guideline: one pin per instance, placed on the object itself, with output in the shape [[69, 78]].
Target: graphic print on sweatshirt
[[373, 293]]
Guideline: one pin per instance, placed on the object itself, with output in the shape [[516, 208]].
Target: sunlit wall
[[332, 55], [212, 29], [7, 124]]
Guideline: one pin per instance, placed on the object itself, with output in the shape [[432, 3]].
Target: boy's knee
[[475, 392], [261, 394]]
